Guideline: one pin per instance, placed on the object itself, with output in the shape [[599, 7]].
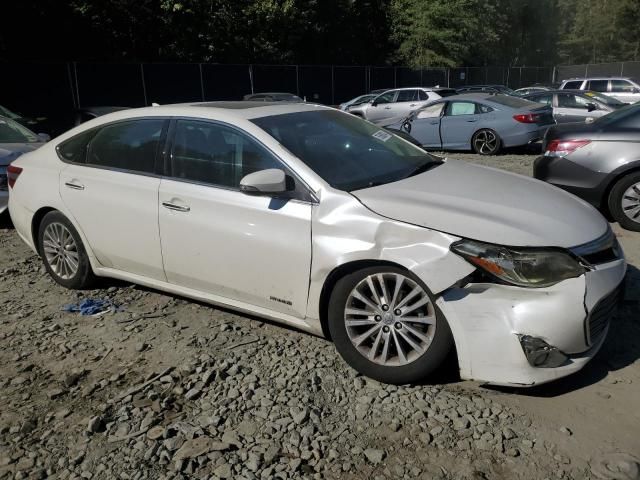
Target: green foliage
[[347, 32]]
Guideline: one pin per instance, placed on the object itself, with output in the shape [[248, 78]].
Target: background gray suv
[[624, 89], [599, 162]]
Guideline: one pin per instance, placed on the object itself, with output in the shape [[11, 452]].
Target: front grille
[[598, 320]]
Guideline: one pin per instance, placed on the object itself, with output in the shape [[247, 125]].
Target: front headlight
[[522, 266]]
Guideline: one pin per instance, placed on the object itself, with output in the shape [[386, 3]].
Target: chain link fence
[[40, 89]]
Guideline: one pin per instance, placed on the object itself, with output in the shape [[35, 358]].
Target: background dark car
[[599, 162], [272, 97], [486, 88], [576, 105]]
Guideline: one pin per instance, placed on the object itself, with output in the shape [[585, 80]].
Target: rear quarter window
[[74, 150]]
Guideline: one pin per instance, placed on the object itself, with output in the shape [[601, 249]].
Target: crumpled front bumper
[[488, 320]]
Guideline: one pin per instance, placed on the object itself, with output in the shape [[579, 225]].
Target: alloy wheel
[[61, 250], [390, 319], [631, 202], [485, 142]]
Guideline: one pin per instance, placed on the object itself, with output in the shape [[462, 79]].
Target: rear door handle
[[473, 120], [75, 186], [176, 208], [412, 105], [387, 108]]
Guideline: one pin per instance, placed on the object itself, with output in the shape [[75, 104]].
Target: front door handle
[[387, 108], [472, 120], [75, 186], [413, 105], [176, 208]]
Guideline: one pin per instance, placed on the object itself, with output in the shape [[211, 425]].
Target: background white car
[[312, 217], [398, 102]]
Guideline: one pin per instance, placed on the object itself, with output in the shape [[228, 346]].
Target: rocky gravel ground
[[170, 388]]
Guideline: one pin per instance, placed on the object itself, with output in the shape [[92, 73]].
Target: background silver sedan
[[15, 140], [482, 122]]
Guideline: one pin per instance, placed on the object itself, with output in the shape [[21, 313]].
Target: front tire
[[385, 324], [63, 253], [486, 142], [624, 202]]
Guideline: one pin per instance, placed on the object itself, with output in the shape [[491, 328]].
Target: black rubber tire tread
[[414, 372], [84, 277], [615, 202]]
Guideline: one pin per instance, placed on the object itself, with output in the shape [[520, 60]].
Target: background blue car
[[482, 122]]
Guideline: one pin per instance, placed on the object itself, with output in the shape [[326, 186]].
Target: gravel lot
[[170, 388]]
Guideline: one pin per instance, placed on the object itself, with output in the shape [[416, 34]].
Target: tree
[[441, 32]]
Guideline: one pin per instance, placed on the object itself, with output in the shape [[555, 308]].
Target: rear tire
[[63, 253], [378, 337], [486, 142], [624, 202]]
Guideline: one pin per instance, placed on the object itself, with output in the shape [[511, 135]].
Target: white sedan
[[317, 219]]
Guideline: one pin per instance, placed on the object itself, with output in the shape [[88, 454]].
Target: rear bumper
[[526, 137], [572, 177], [489, 321]]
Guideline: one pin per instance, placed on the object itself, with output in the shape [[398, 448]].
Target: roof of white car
[[238, 109]]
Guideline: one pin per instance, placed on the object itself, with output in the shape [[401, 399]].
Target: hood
[[10, 151], [489, 205]]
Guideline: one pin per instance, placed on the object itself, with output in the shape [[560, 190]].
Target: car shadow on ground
[[5, 220], [621, 348]]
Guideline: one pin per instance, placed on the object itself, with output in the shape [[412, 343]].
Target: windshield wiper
[[424, 167]]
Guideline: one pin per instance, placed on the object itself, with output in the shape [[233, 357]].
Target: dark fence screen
[[39, 89]]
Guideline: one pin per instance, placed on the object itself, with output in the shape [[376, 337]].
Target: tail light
[[527, 117], [562, 148], [13, 173]]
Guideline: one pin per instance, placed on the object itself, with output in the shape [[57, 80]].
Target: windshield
[[13, 132], [604, 98], [347, 152]]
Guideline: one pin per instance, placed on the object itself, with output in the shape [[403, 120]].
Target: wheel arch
[[616, 176], [35, 224], [336, 274]]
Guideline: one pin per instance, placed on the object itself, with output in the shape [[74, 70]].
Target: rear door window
[[546, 99], [422, 95], [569, 100], [407, 96], [598, 85], [461, 108], [131, 145]]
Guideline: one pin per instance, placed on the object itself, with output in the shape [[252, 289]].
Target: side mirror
[[271, 181], [374, 103], [591, 107], [44, 137]]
